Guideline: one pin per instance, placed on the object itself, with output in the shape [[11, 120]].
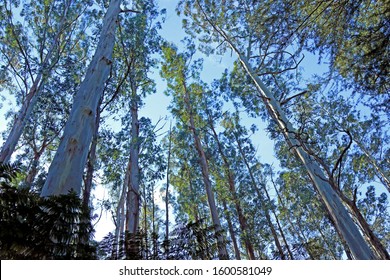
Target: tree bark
[[133, 197], [231, 231], [66, 170], [372, 239], [222, 253], [241, 217], [91, 161]]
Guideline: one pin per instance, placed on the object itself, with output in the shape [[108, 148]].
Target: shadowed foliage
[[32, 227]]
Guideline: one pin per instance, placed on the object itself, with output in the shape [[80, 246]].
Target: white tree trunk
[[343, 222], [222, 252], [32, 96], [133, 197], [66, 169]]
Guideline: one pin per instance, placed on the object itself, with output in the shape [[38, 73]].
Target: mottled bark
[[67, 167], [133, 197], [91, 162], [370, 236]]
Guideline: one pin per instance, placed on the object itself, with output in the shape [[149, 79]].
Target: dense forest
[[310, 76]]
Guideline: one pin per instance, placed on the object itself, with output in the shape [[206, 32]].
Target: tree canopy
[[274, 143]]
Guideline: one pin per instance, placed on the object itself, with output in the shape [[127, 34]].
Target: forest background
[[270, 119]]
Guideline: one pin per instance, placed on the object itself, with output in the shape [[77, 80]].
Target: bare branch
[[129, 11], [292, 97], [338, 162]]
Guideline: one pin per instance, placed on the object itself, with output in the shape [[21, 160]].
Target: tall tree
[[177, 72], [66, 169], [211, 17], [31, 55]]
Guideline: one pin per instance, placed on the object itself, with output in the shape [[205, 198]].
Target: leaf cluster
[[32, 227]]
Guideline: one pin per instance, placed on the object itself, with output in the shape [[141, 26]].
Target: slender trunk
[[222, 253], [167, 187], [278, 224], [283, 237], [133, 191], [231, 231], [380, 173], [66, 169], [241, 217], [32, 96], [343, 221], [91, 161], [120, 220], [133, 196], [195, 206], [32, 173], [266, 212], [145, 225], [20, 121], [154, 233], [301, 236]]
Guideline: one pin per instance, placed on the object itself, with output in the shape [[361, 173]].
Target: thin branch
[[292, 97], [339, 160], [129, 11]]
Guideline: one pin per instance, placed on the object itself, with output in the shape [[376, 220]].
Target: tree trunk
[[32, 96], [372, 239], [222, 253], [231, 231], [264, 207], [133, 197], [32, 173], [278, 224], [67, 167], [343, 222], [91, 161], [241, 217], [167, 187]]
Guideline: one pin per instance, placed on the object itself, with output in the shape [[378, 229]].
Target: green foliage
[[32, 227]]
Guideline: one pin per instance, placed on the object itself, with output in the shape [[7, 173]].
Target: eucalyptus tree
[[129, 83], [34, 45], [190, 202], [331, 144], [67, 167], [239, 135], [212, 107], [253, 33], [178, 72]]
